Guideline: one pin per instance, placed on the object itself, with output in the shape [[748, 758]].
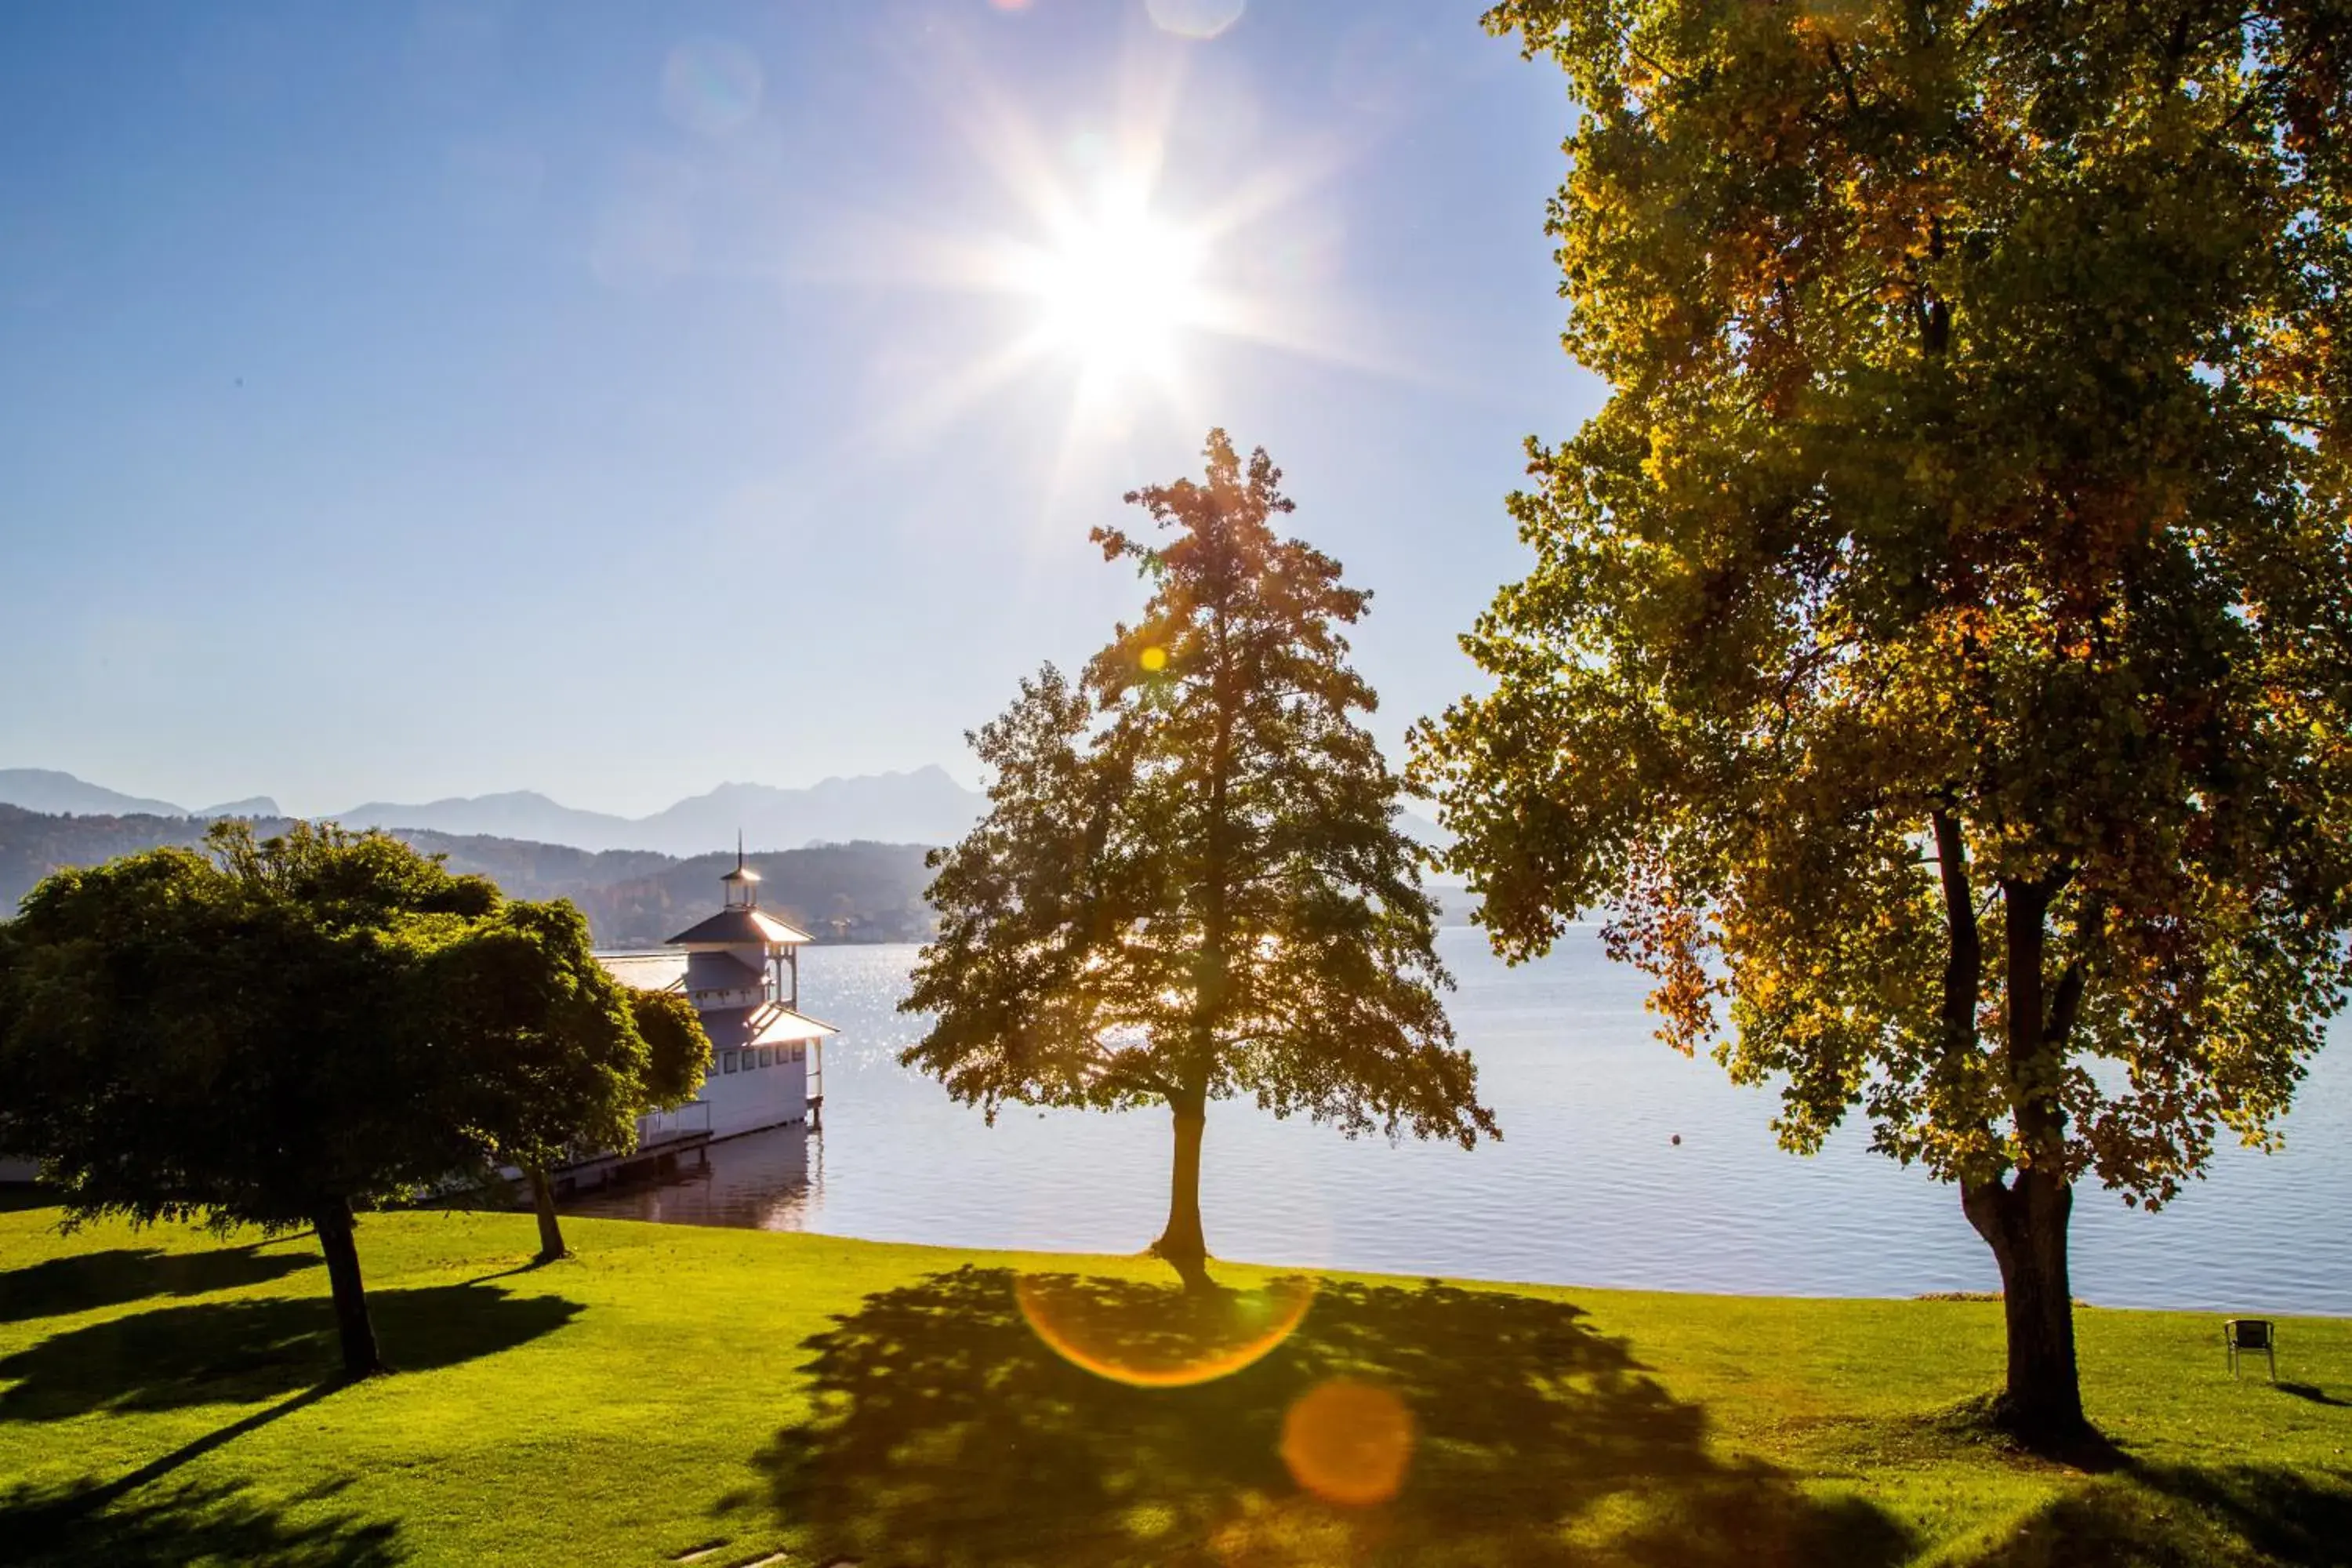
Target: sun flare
[[1118, 289], [1127, 267]]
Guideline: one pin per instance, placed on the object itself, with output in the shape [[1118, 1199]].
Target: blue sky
[[411, 400]]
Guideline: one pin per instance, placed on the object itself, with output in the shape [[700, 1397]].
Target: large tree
[[1189, 883], [280, 1033], [576, 1057], [1938, 648]]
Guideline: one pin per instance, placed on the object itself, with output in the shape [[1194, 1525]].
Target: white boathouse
[[740, 968]]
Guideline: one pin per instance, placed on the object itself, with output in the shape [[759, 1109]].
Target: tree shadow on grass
[[242, 1351], [2314, 1392], [948, 1433], [2296, 1516], [61, 1286], [2172, 1515], [189, 1523]]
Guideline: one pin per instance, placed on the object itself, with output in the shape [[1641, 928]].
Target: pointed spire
[[742, 883]]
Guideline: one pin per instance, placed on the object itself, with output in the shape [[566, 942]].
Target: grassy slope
[[675, 1387]]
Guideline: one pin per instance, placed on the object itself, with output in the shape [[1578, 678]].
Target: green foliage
[[543, 1041], [185, 1037], [1190, 884], [1953, 470], [292, 1024], [1940, 645], [678, 1051]]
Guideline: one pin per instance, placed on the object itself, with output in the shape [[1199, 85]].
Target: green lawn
[[676, 1389]]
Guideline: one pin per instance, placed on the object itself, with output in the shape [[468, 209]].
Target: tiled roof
[[738, 927]]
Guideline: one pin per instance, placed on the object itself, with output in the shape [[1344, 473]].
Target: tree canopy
[[557, 1056], [1190, 884], [1938, 652], [281, 1031]]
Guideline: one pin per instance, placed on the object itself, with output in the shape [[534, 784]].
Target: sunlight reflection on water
[[1586, 1187]]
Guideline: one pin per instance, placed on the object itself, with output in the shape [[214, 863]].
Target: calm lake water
[[1587, 1186]]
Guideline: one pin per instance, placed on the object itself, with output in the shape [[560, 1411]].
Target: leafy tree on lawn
[[678, 1051], [1939, 645], [292, 1029], [580, 1056], [1190, 884]]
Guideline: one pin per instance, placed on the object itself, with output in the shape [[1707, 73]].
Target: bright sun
[[1117, 291]]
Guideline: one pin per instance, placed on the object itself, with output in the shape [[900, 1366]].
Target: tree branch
[[1964, 967], [2262, 82], [2067, 1005], [1845, 77]]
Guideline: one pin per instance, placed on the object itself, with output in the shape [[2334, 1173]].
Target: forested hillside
[[633, 898]]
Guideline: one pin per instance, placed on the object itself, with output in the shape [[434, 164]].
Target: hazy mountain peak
[[58, 793], [923, 805]]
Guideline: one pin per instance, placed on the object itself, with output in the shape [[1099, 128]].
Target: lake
[[1587, 1188]]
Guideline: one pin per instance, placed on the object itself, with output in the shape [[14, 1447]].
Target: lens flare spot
[[1154, 1336], [712, 86], [1349, 1442], [1195, 18], [1154, 659]]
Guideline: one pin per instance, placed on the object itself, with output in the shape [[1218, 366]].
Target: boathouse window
[[728, 1058], [767, 1054]]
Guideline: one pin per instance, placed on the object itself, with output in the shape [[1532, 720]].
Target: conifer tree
[[1190, 884]]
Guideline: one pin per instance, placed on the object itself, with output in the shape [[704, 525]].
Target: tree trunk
[[542, 1200], [2024, 1222], [335, 1222], [1182, 1243]]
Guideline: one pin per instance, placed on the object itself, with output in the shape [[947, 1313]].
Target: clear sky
[[405, 400]]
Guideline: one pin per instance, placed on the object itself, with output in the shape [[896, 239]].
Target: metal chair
[[2250, 1334]]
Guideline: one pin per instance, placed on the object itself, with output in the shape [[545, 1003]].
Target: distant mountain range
[[44, 790], [925, 806], [633, 898]]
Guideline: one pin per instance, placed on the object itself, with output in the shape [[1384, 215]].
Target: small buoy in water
[[1676, 1140]]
